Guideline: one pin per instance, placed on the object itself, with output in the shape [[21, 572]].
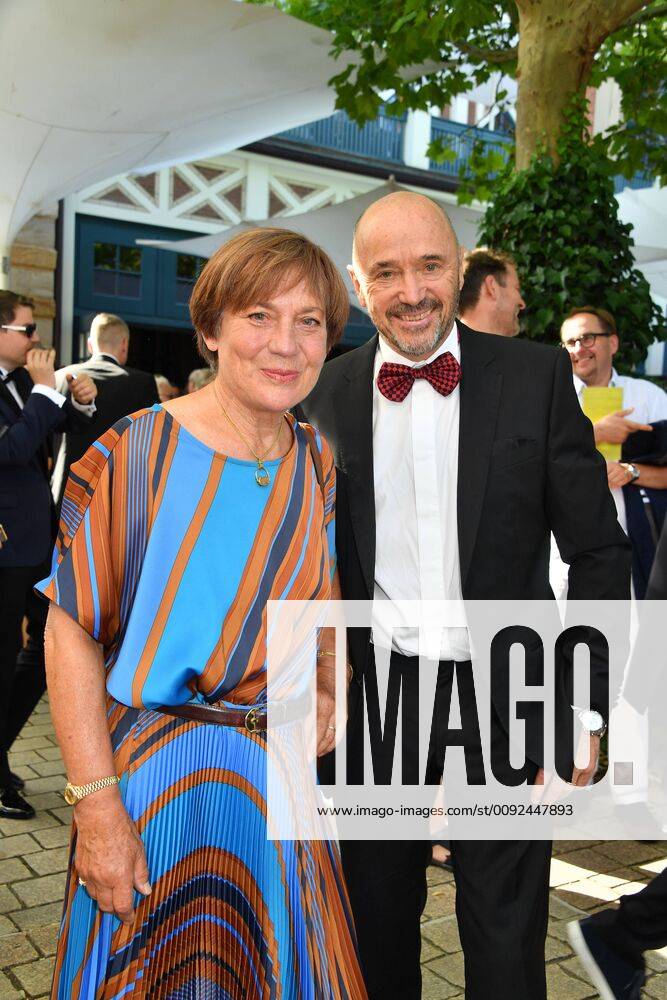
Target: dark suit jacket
[[527, 466], [26, 507], [119, 391]]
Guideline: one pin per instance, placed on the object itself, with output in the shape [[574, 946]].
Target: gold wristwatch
[[74, 793]]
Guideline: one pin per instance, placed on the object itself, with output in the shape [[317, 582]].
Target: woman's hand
[[110, 856], [326, 709]]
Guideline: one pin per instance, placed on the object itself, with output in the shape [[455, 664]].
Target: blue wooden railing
[[381, 139], [640, 180], [460, 138]]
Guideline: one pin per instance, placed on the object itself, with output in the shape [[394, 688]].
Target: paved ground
[[33, 857]]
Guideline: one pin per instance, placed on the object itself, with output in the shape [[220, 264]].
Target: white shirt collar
[[101, 355], [580, 385], [386, 352]]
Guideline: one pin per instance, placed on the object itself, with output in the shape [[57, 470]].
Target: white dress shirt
[[649, 404], [415, 468], [46, 390]]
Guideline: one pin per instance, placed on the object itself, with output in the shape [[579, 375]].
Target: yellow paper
[[598, 402]]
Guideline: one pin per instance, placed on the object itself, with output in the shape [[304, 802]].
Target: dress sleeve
[[328, 487], [82, 580], [329, 494]]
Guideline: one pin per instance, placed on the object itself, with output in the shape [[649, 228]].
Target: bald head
[[406, 271], [401, 208]]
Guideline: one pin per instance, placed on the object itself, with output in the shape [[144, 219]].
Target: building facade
[[84, 257]]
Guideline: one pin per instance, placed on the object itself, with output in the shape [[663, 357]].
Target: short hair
[[606, 319], [10, 302], [477, 266], [252, 267], [201, 377], [102, 326]]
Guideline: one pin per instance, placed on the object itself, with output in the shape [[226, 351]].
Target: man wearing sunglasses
[[30, 411]]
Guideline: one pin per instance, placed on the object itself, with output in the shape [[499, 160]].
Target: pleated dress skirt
[[231, 915]]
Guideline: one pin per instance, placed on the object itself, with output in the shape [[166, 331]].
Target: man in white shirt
[[590, 336], [450, 447], [30, 410], [491, 300], [120, 390]]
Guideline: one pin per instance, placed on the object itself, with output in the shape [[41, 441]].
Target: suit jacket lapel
[[8, 399], [356, 455], [480, 397], [24, 384]]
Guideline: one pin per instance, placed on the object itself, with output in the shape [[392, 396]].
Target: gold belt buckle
[[251, 723]]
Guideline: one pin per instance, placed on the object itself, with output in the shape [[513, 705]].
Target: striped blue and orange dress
[[167, 555]]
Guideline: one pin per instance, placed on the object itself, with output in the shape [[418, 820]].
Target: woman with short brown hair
[[178, 526]]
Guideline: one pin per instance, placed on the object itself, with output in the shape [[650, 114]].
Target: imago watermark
[[477, 720]]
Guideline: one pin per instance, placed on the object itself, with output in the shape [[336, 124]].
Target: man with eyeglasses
[[590, 336], [30, 410]]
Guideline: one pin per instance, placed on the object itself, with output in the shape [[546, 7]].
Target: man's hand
[[586, 759], [617, 475], [82, 388], [549, 788], [40, 365], [615, 428]]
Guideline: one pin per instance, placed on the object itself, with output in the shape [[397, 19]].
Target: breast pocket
[[508, 452]]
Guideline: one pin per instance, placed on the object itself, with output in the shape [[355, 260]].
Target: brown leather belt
[[253, 720]]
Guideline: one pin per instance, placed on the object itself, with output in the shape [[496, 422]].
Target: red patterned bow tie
[[395, 381]]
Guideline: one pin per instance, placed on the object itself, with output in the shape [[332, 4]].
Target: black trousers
[[22, 675], [502, 887], [640, 922]]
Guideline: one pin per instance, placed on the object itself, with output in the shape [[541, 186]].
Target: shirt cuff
[[52, 394], [88, 408]]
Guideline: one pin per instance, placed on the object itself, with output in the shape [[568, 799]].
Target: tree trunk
[[558, 40]]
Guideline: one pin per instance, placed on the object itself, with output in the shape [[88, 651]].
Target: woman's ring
[[81, 882], [332, 727]]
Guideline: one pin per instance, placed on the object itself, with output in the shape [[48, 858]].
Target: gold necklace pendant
[[262, 477]]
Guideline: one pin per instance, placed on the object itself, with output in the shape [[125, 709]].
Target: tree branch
[[642, 16], [488, 55], [615, 15]]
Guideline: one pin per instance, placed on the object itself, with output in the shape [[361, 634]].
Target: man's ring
[[332, 728], [81, 882]]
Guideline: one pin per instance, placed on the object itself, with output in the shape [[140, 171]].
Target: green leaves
[[561, 224], [402, 21], [458, 40]]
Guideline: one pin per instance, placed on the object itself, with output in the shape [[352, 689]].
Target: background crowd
[[49, 418], [44, 430]]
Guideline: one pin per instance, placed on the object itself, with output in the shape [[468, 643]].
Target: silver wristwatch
[[632, 469], [593, 723]]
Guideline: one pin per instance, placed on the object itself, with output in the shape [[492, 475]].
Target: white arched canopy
[[94, 88], [330, 227]]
